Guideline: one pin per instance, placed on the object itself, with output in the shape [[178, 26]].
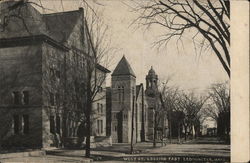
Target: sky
[[187, 70]]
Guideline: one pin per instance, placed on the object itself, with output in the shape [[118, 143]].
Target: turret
[[151, 83]]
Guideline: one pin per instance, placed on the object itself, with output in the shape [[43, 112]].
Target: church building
[[132, 107]]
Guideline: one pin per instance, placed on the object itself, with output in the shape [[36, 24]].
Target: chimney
[[81, 9]]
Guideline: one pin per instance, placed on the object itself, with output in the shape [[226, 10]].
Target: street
[[202, 147]]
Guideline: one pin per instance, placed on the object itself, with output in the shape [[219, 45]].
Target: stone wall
[[123, 108], [21, 70]]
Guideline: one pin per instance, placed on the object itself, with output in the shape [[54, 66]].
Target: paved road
[[209, 147]]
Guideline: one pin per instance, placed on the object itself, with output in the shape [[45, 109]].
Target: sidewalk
[[204, 149]]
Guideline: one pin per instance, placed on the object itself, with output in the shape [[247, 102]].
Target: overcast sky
[[187, 70]]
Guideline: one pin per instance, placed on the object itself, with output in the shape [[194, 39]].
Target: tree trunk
[[170, 128], [155, 126], [88, 128], [193, 131], [163, 129], [179, 133], [88, 117], [132, 128], [185, 133]]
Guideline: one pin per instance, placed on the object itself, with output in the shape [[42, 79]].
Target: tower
[[152, 98], [123, 84], [151, 83]]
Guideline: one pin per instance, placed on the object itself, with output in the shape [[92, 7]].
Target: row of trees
[[186, 112], [206, 24], [209, 23]]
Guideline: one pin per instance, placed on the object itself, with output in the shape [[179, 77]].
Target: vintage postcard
[[124, 81]]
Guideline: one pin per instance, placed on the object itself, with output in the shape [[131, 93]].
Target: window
[[99, 126], [115, 128], [58, 74], [25, 124], [52, 124], [83, 87], [82, 62], [77, 60], [52, 72], [122, 92], [57, 99], [133, 91], [16, 98], [125, 116], [16, 124], [98, 108], [101, 108], [52, 99], [119, 93], [58, 124], [26, 97]]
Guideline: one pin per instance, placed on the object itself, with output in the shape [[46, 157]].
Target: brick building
[[43, 60]]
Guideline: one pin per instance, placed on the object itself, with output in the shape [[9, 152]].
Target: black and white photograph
[[122, 81]]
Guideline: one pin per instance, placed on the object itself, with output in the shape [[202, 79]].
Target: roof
[[123, 68], [100, 67], [151, 73], [60, 25], [57, 26], [26, 20]]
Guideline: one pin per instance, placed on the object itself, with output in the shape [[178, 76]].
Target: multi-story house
[[43, 59]]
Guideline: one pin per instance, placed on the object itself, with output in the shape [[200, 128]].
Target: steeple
[[123, 68], [151, 82]]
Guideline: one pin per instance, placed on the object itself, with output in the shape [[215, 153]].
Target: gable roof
[[30, 22], [123, 68], [60, 25], [24, 21], [102, 68]]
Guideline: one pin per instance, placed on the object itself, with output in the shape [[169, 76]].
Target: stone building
[[131, 106], [43, 60], [123, 90]]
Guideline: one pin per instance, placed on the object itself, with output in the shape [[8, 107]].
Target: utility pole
[[132, 126]]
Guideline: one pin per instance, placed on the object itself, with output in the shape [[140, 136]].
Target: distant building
[[212, 131], [42, 66]]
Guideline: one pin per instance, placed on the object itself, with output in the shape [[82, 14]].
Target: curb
[[23, 154]]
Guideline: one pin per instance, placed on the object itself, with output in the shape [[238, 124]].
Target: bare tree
[[82, 79], [169, 96], [100, 52], [192, 106], [218, 108], [207, 20]]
